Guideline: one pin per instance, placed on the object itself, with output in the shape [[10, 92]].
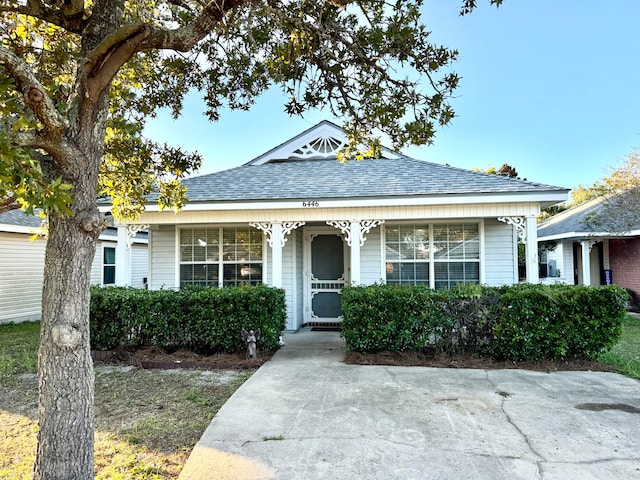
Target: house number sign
[[311, 203]]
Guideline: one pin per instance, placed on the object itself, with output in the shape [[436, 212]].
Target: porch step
[[324, 326]]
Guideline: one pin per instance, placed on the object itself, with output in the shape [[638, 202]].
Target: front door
[[326, 277]]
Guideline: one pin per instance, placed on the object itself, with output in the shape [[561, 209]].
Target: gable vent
[[322, 146]]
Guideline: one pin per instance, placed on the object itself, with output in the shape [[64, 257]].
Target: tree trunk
[[65, 371]]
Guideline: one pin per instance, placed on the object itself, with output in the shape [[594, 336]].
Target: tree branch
[[33, 93], [71, 17], [108, 57], [185, 38], [9, 203]]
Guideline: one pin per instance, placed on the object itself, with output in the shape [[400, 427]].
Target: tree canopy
[[620, 209], [78, 80], [371, 62]]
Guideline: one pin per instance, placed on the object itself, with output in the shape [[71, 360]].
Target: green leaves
[[23, 184], [201, 319], [371, 63], [520, 322]]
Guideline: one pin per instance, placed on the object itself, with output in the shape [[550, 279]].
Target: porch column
[[527, 231], [531, 250], [276, 233], [276, 253], [123, 257], [355, 238], [586, 261]]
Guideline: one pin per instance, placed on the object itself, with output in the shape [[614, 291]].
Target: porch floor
[[313, 347]]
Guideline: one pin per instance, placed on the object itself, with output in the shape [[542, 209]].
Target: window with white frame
[[108, 266], [407, 254], [220, 256], [456, 255], [439, 255]]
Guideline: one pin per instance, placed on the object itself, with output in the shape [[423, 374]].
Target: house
[[583, 256], [22, 261], [298, 219]]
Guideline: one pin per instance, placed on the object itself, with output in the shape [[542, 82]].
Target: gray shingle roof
[[19, 218], [328, 178], [571, 222]]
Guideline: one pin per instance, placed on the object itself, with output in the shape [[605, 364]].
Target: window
[[456, 255], [220, 256], [439, 255], [407, 254], [543, 265], [109, 265]]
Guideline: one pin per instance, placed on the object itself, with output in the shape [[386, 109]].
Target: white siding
[[162, 245], [567, 254], [96, 266], [501, 261], [371, 258], [288, 279], [299, 315], [21, 274], [139, 265]]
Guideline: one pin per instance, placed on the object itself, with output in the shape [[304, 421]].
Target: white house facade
[[298, 219], [22, 254]]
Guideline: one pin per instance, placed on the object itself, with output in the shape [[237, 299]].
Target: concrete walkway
[[307, 415]]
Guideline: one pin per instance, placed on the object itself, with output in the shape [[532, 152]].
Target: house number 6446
[[311, 203]]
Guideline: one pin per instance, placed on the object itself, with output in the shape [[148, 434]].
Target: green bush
[[200, 319], [557, 321], [388, 317], [392, 317], [520, 322]]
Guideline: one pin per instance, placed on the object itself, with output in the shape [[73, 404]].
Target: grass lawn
[[147, 421], [625, 355]]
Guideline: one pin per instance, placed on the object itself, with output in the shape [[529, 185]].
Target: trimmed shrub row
[[520, 322], [200, 319]]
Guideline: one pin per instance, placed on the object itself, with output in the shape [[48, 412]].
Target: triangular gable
[[321, 141]]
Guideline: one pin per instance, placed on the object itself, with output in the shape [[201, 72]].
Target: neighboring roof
[[364, 179], [18, 221], [572, 223]]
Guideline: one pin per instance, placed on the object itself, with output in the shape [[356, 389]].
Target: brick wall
[[625, 263]]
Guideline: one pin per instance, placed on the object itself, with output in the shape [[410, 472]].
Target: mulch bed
[[158, 358], [471, 361]]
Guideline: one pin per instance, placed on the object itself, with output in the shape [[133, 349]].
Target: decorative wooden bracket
[[519, 223], [132, 231], [267, 229]]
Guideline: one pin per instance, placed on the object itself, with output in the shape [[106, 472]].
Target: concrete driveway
[[306, 415]]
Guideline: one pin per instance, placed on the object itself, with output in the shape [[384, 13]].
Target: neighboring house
[[583, 256], [22, 264], [298, 219]]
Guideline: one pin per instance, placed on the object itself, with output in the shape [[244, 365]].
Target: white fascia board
[[588, 235], [6, 227], [538, 197]]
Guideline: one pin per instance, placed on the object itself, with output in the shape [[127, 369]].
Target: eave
[[543, 198]]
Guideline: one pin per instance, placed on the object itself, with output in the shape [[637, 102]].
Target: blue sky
[[551, 87]]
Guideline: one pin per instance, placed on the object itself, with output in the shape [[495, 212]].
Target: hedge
[[200, 319], [520, 322]]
